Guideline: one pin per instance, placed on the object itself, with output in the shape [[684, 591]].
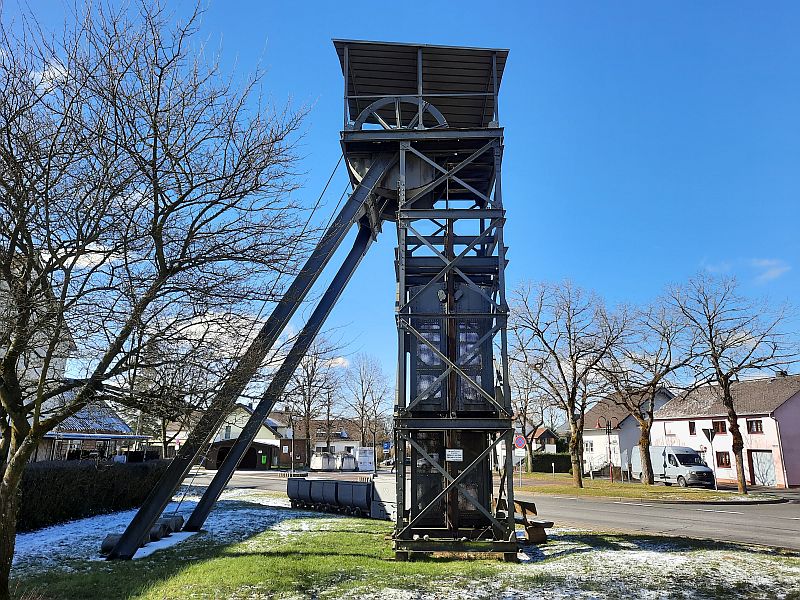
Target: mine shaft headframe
[[438, 107]]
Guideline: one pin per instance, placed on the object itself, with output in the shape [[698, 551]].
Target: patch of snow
[[166, 542], [239, 514]]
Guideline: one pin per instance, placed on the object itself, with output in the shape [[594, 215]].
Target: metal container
[[329, 493], [317, 491], [346, 462], [355, 497]]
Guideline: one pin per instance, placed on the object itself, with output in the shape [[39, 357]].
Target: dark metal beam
[[409, 214], [468, 423], [381, 135], [280, 379]]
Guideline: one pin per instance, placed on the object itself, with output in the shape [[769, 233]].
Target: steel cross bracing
[[427, 261]]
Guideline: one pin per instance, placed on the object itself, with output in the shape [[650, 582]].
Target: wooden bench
[[534, 528]]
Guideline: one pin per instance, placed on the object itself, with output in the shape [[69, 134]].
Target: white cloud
[[769, 269], [718, 268], [340, 362], [47, 78]]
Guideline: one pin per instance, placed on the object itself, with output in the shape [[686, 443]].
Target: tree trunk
[[644, 454], [575, 448], [737, 445], [737, 442], [529, 458], [164, 441], [9, 506], [307, 427]]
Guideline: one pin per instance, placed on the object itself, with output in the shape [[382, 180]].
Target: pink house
[[769, 419]]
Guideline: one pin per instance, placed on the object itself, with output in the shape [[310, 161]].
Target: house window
[[588, 446], [692, 428], [720, 427], [227, 432], [723, 460], [755, 426]]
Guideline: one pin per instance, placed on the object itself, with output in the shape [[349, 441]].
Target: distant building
[[769, 419], [623, 437], [94, 432], [343, 435], [272, 447], [544, 440]]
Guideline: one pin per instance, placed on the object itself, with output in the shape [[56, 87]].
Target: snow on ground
[[573, 564], [579, 564], [239, 514]]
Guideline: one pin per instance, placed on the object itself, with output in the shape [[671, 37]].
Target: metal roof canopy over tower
[[461, 82], [437, 106]]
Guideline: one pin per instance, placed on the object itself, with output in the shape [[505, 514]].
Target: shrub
[[57, 491], [543, 461]]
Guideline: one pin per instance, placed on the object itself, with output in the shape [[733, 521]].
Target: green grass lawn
[[310, 556], [561, 485]]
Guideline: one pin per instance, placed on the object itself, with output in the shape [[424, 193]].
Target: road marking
[[633, 503], [732, 512]]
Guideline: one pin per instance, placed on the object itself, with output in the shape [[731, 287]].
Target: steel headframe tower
[[424, 148], [437, 106]]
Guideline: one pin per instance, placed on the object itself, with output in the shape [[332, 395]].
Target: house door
[[762, 468]]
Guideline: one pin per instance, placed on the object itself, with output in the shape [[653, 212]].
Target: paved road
[[765, 524], [775, 525]]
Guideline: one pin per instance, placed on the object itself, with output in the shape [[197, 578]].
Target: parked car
[[675, 464]]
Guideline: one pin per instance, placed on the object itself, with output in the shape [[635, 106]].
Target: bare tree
[[366, 395], [736, 337], [566, 334], [314, 387], [140, 190], [531, 407], [656, 347]]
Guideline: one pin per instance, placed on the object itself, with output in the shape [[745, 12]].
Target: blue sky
[[644, 141]]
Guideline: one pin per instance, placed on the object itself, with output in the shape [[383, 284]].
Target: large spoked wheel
[[405, 115]]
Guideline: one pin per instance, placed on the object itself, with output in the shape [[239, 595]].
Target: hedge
[[57, 491], [543, 462]]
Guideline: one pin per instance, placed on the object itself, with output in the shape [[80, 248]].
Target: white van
[[675, 464]]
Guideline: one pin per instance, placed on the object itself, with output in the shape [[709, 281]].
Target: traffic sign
[[519, 441], [519, 452], [710, 434], [387, 446]]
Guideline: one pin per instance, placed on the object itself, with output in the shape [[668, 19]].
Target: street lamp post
[[609, 425]]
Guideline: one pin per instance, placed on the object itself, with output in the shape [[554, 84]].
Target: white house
[[769, 419], [342, 433], [616, 443]]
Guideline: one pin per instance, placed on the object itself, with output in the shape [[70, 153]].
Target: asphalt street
[[776, 525]]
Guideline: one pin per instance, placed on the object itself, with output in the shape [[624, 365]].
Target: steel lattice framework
[[453, 400]]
